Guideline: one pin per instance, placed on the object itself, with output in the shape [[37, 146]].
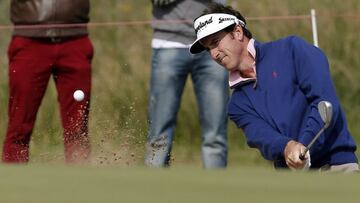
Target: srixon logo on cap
[[203, 24], [224, 19]]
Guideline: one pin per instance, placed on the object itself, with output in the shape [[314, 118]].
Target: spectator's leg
[[29, 73], [73, 72], [168, 76], [212, 93]]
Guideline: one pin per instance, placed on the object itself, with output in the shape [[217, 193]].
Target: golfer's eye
[[215, 42]]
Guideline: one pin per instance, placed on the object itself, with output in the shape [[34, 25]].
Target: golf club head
[[325, 111]]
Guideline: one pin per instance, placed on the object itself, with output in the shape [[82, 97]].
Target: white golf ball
[[79, 95]]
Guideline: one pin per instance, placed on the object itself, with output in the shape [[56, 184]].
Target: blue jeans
[[170, 68]]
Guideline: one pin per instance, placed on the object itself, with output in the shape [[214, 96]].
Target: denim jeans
[[170, 68]]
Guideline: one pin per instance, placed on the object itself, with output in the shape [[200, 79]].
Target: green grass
[[121, 66], [59, 184]]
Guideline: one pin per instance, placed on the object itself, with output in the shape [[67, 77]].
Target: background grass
[[118, 120]]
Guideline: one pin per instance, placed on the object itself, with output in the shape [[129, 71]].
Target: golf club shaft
[[302, 155]]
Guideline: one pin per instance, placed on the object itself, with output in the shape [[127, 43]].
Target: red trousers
[[31, 64]]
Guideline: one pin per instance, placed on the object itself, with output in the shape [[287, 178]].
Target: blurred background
[[118, 118]]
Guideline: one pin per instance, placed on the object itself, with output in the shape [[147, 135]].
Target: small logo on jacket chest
[[275, 74]]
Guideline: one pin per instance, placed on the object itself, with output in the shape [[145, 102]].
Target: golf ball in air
[[79, 95]]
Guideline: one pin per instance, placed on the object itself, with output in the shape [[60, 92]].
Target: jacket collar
[[235, 79]]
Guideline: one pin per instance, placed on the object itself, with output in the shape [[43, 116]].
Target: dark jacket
[[292, 78], [40, 12]]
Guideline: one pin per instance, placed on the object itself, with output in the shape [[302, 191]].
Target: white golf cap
[[209, 24]]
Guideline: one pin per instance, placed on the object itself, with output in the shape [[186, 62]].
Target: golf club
[[325, 111]]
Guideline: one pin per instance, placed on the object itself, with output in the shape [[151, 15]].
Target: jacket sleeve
[[314, 80], [259, 134]]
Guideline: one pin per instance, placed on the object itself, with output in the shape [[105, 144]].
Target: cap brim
[[196, 47]]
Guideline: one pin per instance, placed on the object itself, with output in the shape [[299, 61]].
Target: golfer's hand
[[161, 3], [292, 153]]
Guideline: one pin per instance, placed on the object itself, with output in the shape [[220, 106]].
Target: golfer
[[277, 87]]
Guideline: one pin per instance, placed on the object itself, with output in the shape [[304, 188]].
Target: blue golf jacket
[[292, 78]]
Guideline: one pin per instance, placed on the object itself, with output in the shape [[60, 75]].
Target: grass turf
[[67, 184]]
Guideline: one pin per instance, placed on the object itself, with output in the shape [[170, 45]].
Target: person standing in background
[[171, 65], [37, 53]]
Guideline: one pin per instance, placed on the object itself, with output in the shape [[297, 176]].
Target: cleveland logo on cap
[[203, 24]]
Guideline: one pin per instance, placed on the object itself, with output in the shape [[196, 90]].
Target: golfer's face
[[221, 46]]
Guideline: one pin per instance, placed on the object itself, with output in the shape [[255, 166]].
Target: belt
[[54, 40]]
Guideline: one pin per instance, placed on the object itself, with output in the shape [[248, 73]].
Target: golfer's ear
[[239, 33]]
